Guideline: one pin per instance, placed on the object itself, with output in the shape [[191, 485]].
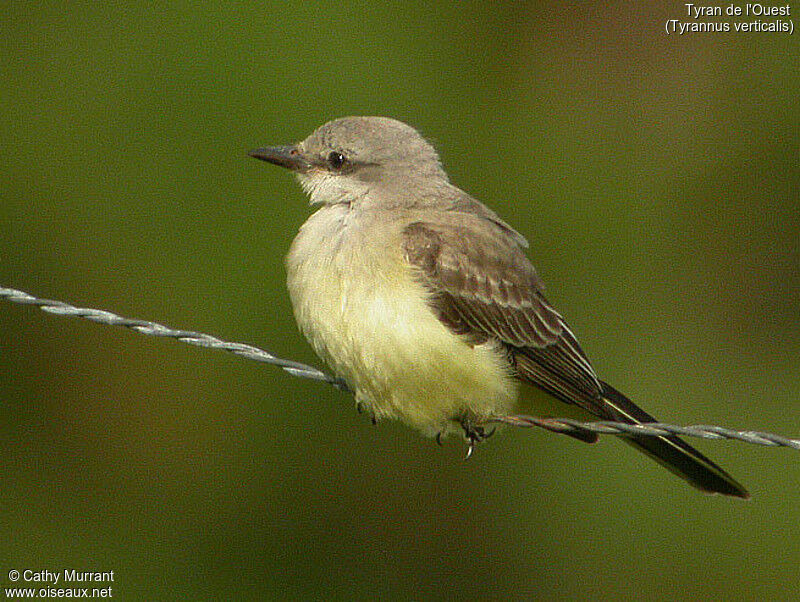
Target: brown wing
[[482, 286]]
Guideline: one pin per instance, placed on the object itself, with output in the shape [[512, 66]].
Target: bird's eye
[[336, 160]]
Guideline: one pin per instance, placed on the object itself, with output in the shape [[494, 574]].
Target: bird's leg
[[474, 434], [361, 409]]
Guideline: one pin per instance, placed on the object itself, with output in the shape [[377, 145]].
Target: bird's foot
[[361, 409], [474, 434]]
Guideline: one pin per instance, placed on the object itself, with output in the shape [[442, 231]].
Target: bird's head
[[345, 159]]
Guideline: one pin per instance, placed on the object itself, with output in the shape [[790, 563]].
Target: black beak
[[289, 157]]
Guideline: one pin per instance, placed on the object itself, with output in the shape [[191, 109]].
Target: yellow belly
[[365, 314]]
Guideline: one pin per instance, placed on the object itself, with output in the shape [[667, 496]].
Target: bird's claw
[[474, 434], [360, 408], [470, 449]]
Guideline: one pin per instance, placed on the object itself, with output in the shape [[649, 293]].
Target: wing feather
[[484, 287]]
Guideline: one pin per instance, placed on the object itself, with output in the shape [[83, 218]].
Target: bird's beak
[[290, 157]]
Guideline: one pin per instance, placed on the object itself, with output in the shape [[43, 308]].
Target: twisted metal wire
[[650, 429], [559, 425], [191, 337]]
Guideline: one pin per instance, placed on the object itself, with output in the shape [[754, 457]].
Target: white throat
[[325, 188]]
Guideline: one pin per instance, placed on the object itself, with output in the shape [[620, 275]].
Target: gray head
[[346, 158]]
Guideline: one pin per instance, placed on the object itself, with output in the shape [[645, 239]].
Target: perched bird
[[422, 299]]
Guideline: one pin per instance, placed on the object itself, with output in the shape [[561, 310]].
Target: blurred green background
[[656, 177]]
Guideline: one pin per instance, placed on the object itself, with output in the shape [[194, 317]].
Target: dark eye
[[336, 160]]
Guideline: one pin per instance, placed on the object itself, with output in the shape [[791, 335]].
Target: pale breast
[[357, 301]]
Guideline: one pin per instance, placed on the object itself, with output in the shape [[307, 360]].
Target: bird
[[423, 301]]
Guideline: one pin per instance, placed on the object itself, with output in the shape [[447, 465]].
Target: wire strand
[[559, 425]]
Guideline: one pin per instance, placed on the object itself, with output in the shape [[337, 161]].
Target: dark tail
[[671, 452]]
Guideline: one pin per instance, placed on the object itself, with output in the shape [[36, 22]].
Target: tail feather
[[671, 452]]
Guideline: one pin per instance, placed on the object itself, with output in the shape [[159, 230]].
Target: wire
[[155, 329], [560, 425]]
